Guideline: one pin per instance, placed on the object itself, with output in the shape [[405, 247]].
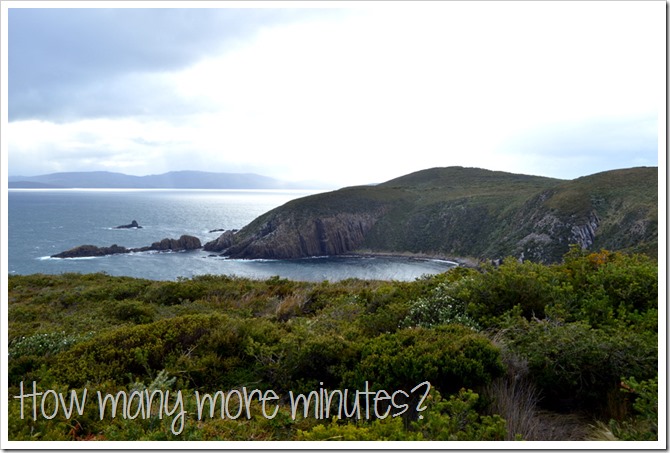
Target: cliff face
[[615, 210], [283, 236], [461, 212]]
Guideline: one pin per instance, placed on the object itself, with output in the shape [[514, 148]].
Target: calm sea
[[45, 222]]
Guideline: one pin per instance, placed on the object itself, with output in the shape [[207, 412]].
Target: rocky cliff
[[461, 212], [314, 226]]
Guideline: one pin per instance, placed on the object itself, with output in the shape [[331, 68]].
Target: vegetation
[[520, 351], [465, 212]]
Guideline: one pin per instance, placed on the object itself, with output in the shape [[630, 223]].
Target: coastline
[[468, 262]]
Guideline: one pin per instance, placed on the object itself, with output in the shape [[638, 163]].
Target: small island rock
[[91, 250], [185, 242], [132, 224]]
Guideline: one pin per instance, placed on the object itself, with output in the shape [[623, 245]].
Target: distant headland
[[170, 180]]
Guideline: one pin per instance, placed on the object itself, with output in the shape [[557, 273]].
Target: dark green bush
[[643, 425], [303, 359], [455, 418], [144, 349], [574, 365], [135, 311], [496, 291], [449, 357], [610, 288]]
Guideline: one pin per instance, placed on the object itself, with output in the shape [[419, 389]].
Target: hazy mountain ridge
[[170, 180], [461, 212]]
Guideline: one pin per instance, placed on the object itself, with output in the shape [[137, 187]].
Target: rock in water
[[185, 242], [91, 250], [132, 224]]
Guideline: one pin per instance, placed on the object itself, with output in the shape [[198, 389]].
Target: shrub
[[445, 420], [611, 288], [496, 291], [173, 293], [202, 348], [303, 358], [134, 311], [644, 424], [574, 365], [449, 357], [437, 309], [42, 344]]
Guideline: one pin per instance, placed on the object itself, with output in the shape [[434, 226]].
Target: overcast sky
[[350, 94]]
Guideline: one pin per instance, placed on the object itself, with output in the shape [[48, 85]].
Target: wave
[[45, 258]]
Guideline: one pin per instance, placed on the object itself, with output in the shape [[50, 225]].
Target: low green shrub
[[196, 346], [453, 419], [643, 425], [134, 311], [574, 365], [488, 296], [450, 357]]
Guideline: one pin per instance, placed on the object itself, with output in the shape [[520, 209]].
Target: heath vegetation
[[519, 351]]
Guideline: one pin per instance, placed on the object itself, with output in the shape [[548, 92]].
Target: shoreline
[[468, 262]]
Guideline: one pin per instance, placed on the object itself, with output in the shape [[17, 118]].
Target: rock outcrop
[[83, 251], [289, 237], [223, 242], [184, 243], [132, 224]]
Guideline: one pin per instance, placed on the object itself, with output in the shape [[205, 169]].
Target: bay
[[43, 222]]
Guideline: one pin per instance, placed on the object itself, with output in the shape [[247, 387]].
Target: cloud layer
[[348, 94]]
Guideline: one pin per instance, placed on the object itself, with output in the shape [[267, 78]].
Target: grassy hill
[[463, 212]]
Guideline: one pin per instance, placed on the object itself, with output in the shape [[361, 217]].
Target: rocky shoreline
[[220, 244], [184, 243]]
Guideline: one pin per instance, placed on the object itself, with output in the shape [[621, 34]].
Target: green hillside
[[463, 212]]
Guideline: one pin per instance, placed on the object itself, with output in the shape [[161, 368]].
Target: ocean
[[43, 222]]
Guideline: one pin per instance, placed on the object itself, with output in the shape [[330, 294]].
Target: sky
[[344, 93]]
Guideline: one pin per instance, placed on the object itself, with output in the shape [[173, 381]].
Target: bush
[[496, 291], [303, 358], [437, 309], [644, 424], [134, 311], [449, 357], [611, 288], [444, 420], [205, 349], [574, 365]]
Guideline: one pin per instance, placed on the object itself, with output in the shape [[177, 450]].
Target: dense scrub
[[509, 352]]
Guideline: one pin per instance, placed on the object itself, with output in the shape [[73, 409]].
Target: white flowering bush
[[43, 344], [438, 308]]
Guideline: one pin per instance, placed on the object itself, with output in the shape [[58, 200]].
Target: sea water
[[43, 222]]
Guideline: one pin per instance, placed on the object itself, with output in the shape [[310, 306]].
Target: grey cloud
[[121, 95], [62, 62]]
